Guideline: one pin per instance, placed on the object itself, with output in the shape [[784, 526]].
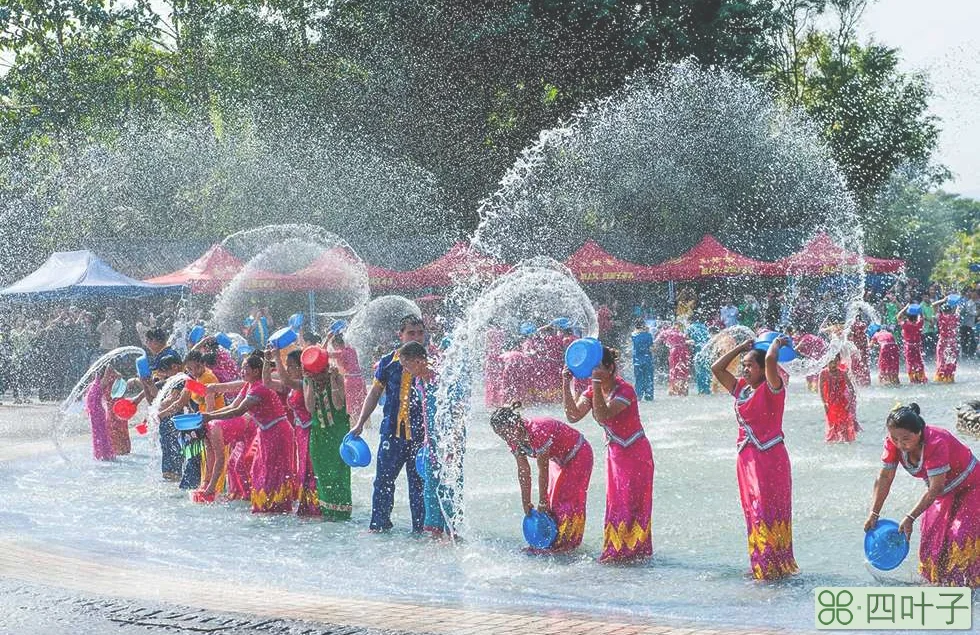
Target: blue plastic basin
[[355, 451], [540, 530], [786, 354], [283, 337], [582, 356], [884, 547]]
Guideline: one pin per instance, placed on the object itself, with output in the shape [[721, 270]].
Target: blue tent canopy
[[74, 275]]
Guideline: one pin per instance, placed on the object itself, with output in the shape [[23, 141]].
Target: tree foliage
[[874, 116], [453, 90], [953, 268]]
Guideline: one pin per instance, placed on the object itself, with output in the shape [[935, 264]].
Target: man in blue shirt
[[402, 432], [643, 360], [159, 352]]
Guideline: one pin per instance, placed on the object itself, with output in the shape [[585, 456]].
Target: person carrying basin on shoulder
[[629, 459]]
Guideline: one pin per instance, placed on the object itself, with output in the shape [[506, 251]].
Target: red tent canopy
[[821, 256], [592, 263], [460, 261], [334, 269], [710, 259], [382, 279], [207, 274]]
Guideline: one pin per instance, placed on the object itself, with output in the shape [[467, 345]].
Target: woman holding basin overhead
[[629, 460], [949, 552], [765, 481], [911, 323]]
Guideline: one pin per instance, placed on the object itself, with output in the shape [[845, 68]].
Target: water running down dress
[[765, 481]]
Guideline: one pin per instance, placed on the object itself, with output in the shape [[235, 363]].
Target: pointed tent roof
[[592, 263], [459, 262], [69, 275], [821, 256], [207, 274], [710, 259], [334, 269]]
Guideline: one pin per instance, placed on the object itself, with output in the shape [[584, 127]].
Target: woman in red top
[[839, 402], [948, 346], [949, 552], [273, 480], [765, 481], [629, 461], [887, 357], [290, 381], [911, 326], [860, 367], [564, 460]]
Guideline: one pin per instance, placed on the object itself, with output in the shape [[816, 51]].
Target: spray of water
[[375, 327], [291, 266], [657, 165]]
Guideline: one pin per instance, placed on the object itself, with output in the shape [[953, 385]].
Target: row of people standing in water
[[950, 508], [526, 368], [273, 425], [280, 473]]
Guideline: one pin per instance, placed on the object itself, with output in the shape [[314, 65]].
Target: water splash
[[375, 327], [289, 267], [72, 407]]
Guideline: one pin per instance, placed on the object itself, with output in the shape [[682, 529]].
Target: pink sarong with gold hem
[[765, 481], [949, 550], [627, 534]]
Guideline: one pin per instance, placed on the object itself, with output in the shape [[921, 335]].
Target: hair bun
[[914, 407]]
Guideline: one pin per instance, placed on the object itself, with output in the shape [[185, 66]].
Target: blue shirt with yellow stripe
[[403, 402]]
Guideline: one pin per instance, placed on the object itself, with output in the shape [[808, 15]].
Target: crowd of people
[[273, 419]]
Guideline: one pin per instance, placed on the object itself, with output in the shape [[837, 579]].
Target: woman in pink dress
[[948, 346], [118, 427], [887, 357], [860, 366], [839, 402], [678, 358], [290, 381], [95, 405], [564, 461], [345, 358], [272, 477], [629, 460], [228, 441], [911, 326], [949, 551], [765, 480]]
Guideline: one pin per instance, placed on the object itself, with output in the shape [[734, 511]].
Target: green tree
[[75, 63], [954, 267], [911, 222], [873, 116]]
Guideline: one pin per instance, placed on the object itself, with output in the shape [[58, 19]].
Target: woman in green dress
[[324, 396]]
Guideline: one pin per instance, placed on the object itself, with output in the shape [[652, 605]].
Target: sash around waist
[[956, 482], [612, 437]]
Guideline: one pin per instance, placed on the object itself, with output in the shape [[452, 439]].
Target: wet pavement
[[35, 609]]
